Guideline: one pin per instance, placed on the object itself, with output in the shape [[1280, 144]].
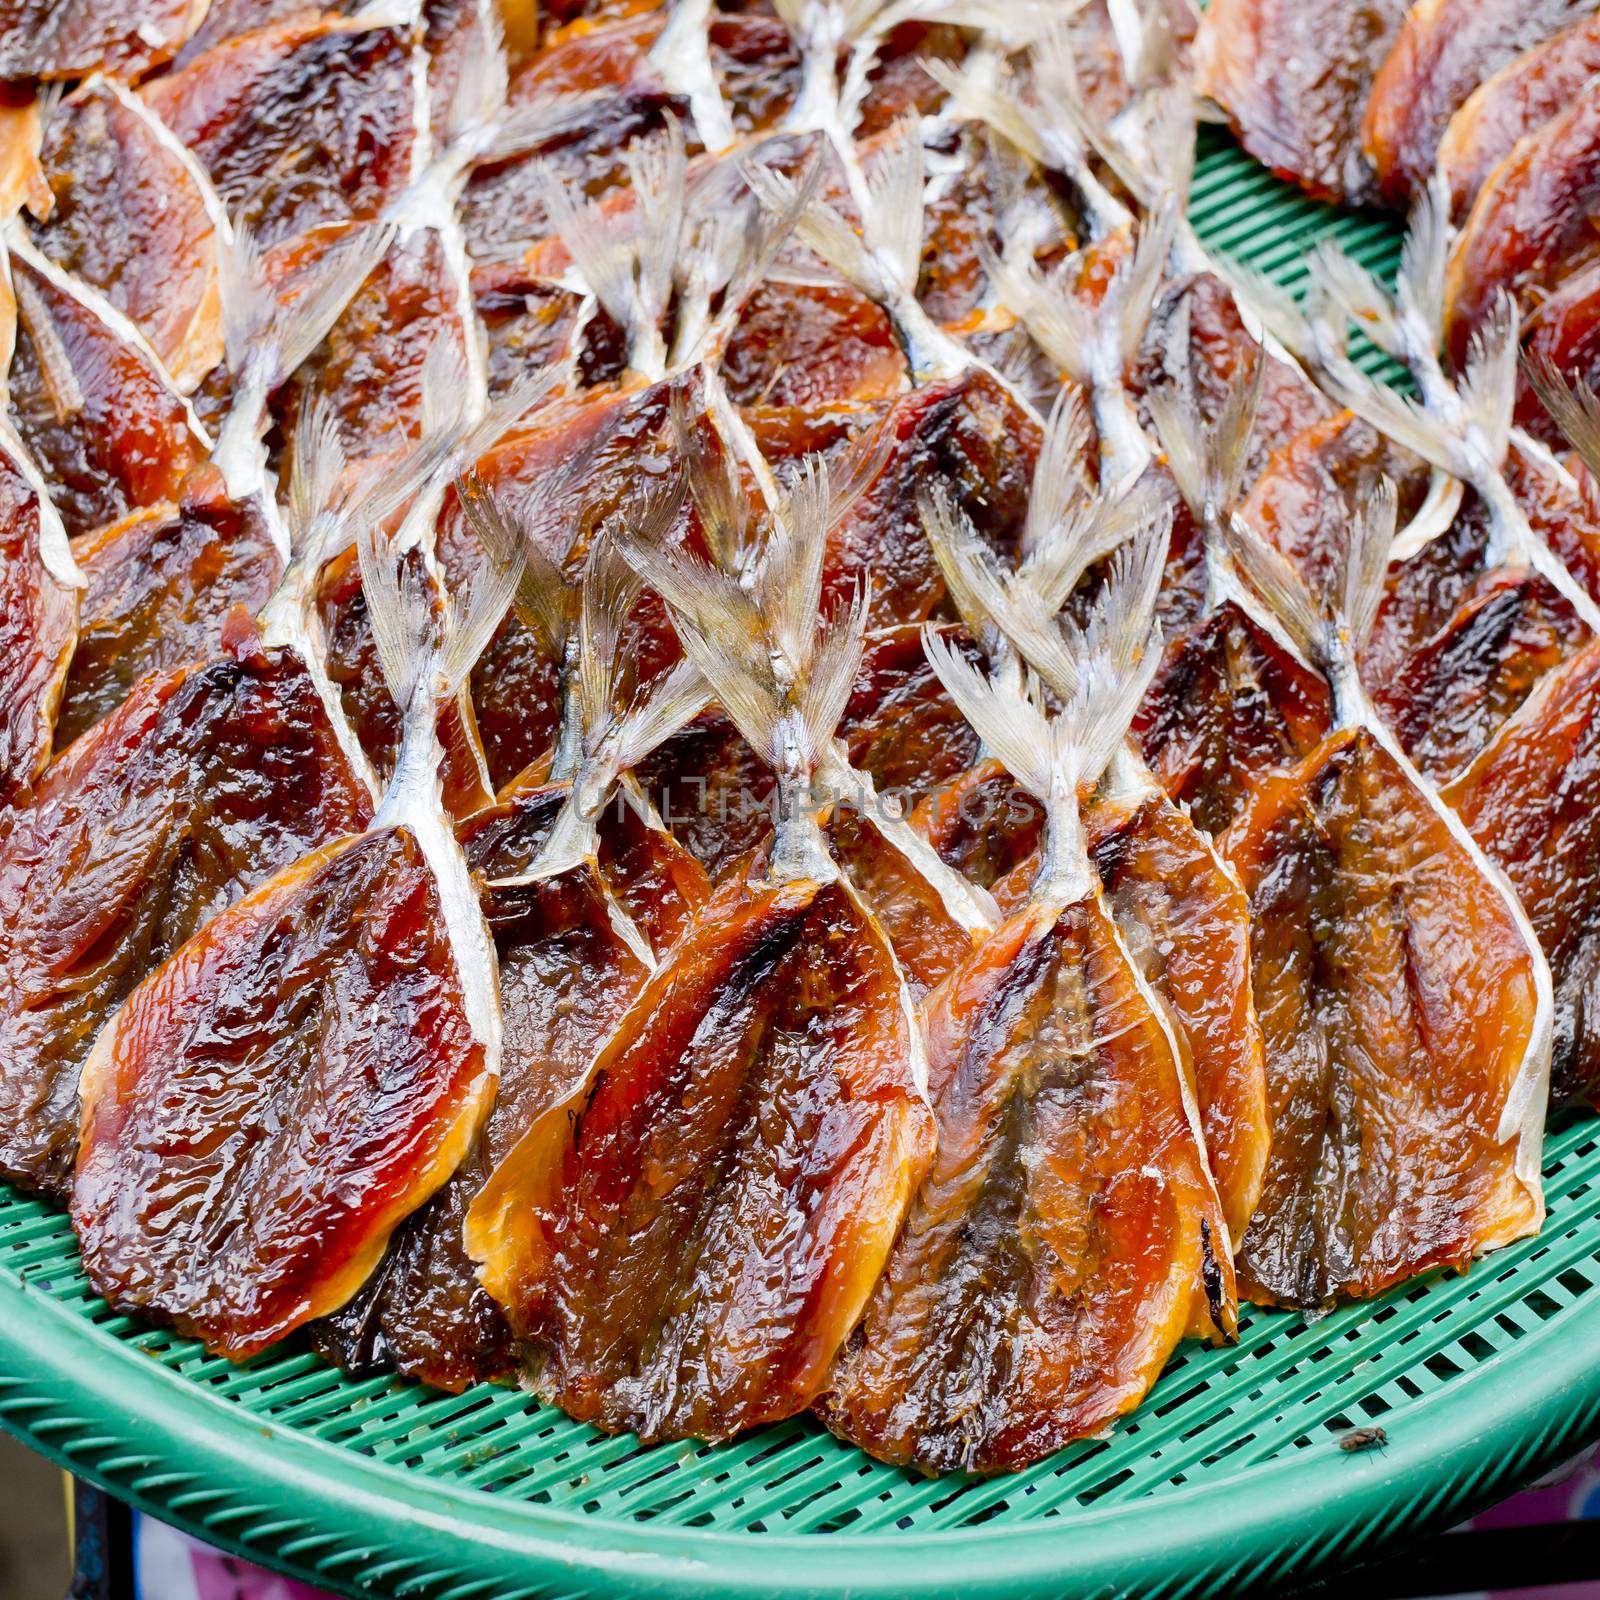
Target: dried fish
[[1295, 101], [1053, 1254], [92, 401], [1517, 100], [317, 1059], [1525, 800], [132, 214], [1177, 907], [1406, 1111], [1532, 225], [824, 792], [161, 581], [677, 1263], [1233, 698], [1443, 51]]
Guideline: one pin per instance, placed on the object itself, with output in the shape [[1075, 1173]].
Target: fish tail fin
[[544, 601], [1425, 256], [895, 194], [822, 230], [1328, 620], [1574, 406], [1060, 479], [1207, 464], [658, 169], [1006, 711], [1045, 306], [401, 610], [473, 612], [318, 492], [478, 96], [1119, 649], [1488, 381], [271, 335], [720, 627], [1357, 292]]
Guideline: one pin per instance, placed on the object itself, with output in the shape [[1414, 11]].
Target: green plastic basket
[[1230, 1476]]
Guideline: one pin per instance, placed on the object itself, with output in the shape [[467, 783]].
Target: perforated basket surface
[[1229, 1476]]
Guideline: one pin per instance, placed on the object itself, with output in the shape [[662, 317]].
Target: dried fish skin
[[229, 19], [1296, 103], [1049, 1262], [422, 1312], [898, 85], [1457, 646], [565, 979], [1563, 329], [715, 793], [1529, 801], [812, 347], [1303, 500], [927, 941], [575, 464], [986, 826], [1397, 997], [756, 66], [899, 725], [1424, 591], [1561, 500], [530, 323], [1458, 686], [687, 1245], [129, 217], [560, 20], [1230, 703], [655, 880], [503, 209], [1442, 52], [40, 1083], [161, 584], [73, 38], [95, 412], [1532, 225], [300, 126], [38, 632], [271, 1102], [966, 432], [1538, 85], [198, 786], [1185, 921], [965, 208]]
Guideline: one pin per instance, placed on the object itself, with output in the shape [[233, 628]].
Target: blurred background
[[33, 1526]]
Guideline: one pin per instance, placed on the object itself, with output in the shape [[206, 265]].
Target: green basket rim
[[97, 1407]]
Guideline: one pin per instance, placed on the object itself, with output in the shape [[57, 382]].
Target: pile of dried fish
[[693, 715]]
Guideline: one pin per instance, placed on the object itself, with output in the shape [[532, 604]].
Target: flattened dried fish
[[1294, 98], [1444, 50], [1406, 1064], [1053, 1254]]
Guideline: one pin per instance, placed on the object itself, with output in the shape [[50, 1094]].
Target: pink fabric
[[220, 1577], [172, 1566]]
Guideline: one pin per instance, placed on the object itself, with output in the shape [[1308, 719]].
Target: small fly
[[1364, 1439]]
